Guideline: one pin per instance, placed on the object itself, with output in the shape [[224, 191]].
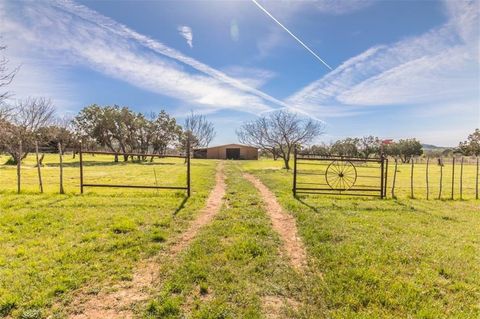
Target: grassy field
[[368, 258], [388, 258], [52, 244]]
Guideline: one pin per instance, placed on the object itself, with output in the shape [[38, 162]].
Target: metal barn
[[228, 151]]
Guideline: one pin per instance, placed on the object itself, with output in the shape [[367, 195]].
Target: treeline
[[32, 124], [403, 149]]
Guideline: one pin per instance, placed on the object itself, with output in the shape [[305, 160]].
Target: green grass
[[233, 265], [52, 244], [368, 258], [387, 258]]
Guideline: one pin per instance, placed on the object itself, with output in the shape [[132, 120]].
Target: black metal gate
[[335, 175]]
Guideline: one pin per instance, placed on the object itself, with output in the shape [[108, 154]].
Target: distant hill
[[430, 147]]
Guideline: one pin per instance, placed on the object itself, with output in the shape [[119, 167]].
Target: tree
[[369, 145], [280, 130], [114, 127], [199, 130], [6, 77], [166, 132], [472, 145], [23, 126], [346, 147], [59, 133], [405, 149]]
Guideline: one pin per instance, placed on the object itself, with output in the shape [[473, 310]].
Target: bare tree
[[200, 131], [280, 131], [6, 77], [23, 125]]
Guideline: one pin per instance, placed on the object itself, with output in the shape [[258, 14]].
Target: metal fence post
[[294, 170]]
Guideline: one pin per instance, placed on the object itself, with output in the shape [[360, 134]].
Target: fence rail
[[186, 157]]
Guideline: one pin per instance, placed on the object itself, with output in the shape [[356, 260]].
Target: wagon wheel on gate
[[341, 175]]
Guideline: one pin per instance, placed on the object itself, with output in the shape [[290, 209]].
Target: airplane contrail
[[293, 35]]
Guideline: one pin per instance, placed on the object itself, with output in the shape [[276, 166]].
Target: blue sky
[[399, 68]]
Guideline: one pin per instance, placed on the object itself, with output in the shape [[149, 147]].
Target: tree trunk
[[286, 160], [38, 168]]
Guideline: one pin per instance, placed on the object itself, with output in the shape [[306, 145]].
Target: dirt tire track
[[119, 302], [284, 224]]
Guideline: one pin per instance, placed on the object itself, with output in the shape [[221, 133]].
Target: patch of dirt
[[213, 206], [273, 306], [120, 300], [284, 224]]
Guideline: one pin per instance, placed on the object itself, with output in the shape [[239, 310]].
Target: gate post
[[294, 170], [382, 177]]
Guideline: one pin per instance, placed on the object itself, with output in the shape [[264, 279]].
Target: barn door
[[233, 153]]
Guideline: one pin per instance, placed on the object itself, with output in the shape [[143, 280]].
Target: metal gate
[[336, 175]]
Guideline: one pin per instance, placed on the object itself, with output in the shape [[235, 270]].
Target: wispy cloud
[[186, 33], [74, 34], [254, 77], [338, 7], [437, 67], [126, 33]]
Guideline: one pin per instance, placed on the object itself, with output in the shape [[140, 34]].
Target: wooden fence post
[[426, 176], [476, 181], [38, 168], [441, 178], [19, 166], [61, 168], [386, 178], [453, 175], [188, 167], [411, 180], [80, 154], [461, 179], [394, 177]]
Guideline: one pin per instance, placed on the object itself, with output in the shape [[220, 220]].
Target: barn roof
[[226, 145]]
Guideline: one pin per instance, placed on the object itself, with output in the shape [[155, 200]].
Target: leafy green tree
[[405, 149], [472, 145], [346, 147]]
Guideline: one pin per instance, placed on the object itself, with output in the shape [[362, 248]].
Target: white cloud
[[186, 33], [127, 34], [439, 66], [341, 6], [254, 77], [71, 34]]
